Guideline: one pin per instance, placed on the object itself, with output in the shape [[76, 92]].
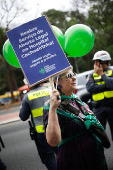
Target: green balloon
[[79, 40], [59, 35], [9, 54]]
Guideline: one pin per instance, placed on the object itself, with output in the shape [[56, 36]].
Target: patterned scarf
[[90, 119], [83, 106]]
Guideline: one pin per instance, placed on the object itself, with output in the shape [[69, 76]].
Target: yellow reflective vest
[[98, 80], [37, 98]]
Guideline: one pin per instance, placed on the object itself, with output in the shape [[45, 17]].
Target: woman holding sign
[[78, 148]]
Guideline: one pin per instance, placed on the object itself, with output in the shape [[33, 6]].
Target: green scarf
[[89, 121]]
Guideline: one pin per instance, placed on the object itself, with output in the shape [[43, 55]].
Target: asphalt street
[[20, 151], [4, 111]]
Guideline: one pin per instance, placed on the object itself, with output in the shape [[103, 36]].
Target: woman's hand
[[53, 132], [55, 99]]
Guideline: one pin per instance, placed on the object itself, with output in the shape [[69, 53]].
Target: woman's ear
[[59, 86]]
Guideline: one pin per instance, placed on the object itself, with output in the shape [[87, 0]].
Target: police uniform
[[32, 104], [101, 88]]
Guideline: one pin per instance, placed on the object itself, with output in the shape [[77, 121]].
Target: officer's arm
[[92, 87], [24, 109], [108, 81]]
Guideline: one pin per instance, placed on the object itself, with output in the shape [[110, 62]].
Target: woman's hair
[[58, 77]]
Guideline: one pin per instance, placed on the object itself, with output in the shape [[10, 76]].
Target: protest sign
[[38, 50]]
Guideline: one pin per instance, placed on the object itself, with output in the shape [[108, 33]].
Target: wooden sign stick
[[51, 83]]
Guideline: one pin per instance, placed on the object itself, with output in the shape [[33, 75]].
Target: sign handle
[[51, 83]]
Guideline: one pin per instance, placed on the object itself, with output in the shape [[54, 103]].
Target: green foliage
[[82, 63], [3, 77], [2, 39], [100, 18], [64, 20], [17, 73], [57, 18], [19, 77], [101, 21], [4, 87]]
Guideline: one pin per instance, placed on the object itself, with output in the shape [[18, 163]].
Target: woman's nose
[[74, 78]]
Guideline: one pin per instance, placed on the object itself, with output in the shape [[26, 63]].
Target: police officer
[[32, 104], [100, 85]]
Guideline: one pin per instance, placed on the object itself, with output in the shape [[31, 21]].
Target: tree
[[99, 16], [64, 20], [9, 11], [15, 81], [101, 21], [57, 18]]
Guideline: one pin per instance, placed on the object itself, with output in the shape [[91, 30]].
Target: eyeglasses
[[70, 76]]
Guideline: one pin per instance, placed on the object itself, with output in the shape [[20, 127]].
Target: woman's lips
[[73, 83]]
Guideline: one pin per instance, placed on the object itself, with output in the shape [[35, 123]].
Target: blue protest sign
[[38, 50]]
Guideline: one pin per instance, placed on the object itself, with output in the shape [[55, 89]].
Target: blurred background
[[97, 14]]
